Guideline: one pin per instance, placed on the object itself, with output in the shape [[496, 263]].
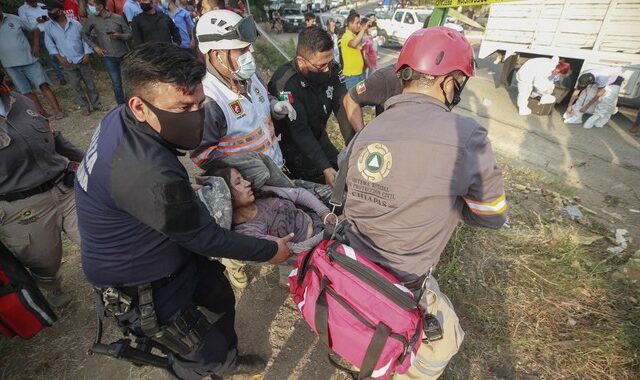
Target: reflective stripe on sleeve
[[496, 207]]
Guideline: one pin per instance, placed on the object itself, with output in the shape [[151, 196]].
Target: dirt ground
[[480, 272]]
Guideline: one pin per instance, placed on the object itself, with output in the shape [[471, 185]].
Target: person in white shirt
[[33, 12]]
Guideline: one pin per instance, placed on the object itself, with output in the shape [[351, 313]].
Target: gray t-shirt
[[15, 49], [278, 215]]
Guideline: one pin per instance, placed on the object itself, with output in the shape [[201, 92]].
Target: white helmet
[[225, 30]]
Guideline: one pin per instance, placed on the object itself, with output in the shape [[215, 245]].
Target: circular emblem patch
[[375, 162]]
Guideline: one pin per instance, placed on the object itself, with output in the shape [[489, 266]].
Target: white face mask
[[246, 66]]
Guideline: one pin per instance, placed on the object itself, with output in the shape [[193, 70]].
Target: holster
[[180, 336]]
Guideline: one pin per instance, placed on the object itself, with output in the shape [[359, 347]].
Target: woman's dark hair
[[220, 169], [223, 170], [160, 62], [313, 40]]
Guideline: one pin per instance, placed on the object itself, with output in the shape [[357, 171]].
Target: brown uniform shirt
[[415, 172], [36, 153], [377, 89]]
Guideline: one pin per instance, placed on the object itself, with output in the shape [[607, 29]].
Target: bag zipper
[[375, 280]]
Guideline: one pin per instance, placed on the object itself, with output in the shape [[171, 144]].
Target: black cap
[[52, 4], [585, 80]]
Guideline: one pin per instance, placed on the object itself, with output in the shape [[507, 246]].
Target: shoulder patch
[[375, 162], [361, 87]]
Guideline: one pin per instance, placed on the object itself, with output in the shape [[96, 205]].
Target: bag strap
[[321, 319], [339, 188], [352, 374], [374, 351]]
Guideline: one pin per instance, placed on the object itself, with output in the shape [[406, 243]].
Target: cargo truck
[[587, 33]]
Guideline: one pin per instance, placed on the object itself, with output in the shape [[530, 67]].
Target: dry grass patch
[[535, 304]]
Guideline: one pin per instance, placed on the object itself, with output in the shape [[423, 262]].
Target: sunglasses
[[245, 30]]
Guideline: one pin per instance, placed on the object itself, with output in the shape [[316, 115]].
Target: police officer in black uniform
[[314, 85], [146, 235]]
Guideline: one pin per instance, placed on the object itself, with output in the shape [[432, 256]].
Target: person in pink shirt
[[369, 50]]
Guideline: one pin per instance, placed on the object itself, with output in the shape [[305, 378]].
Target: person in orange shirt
[[116, 6]]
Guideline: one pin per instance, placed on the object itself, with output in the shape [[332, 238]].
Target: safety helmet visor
[[245, 30]]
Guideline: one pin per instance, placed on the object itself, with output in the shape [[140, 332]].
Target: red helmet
[[437, 51]]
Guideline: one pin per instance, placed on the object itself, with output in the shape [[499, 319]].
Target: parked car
[[292, 18], [344, 12], [323, 18], [404, 22], [335, 3]]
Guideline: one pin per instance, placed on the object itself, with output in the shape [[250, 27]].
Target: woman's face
[[241, 192]]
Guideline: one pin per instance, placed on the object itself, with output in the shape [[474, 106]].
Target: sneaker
[[249, 365], [100, 108], [57, 298], [238, 279], [525, 112]]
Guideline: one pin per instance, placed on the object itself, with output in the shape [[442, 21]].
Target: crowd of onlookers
[[68, 33]]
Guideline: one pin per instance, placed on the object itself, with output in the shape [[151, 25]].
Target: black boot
[[249, 365]]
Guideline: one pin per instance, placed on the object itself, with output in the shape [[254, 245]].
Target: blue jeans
[[351, 81], [112, 65], [28, 78]]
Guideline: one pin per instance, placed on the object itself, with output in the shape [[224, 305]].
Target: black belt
[[11, 197], [132, 291]]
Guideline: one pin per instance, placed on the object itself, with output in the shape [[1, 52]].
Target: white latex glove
[[283, 108], [547, 99]]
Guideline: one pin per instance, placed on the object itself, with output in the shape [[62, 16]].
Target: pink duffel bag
[[360, 311]]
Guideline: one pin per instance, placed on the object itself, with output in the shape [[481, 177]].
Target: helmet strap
[[457, 90]]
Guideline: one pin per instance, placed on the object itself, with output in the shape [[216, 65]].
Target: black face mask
[[457, 91], [318, 79], [183, 130], [145, 7], [54, 16]]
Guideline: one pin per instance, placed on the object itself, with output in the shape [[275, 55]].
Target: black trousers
[[217, 354]]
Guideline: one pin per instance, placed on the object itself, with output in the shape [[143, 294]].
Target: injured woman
[[270, 213]]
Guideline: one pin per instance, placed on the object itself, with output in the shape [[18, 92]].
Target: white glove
[[283, 108], [547, 99]]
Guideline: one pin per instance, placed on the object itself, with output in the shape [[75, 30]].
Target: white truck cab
[[404, 22]]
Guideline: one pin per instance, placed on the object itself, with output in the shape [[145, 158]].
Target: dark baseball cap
[[52, 4]]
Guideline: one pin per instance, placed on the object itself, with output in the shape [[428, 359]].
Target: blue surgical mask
[[92, 10], [556, 78]]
